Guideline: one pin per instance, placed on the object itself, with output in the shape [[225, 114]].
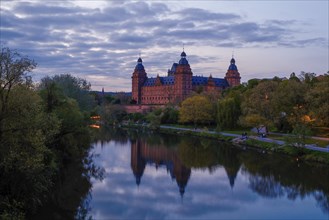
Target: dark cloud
[[107, 40], [32, 9], [201, 15]]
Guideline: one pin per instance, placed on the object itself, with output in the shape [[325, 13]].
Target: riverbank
[[266, 145]]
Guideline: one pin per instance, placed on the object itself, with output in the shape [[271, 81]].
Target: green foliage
[[299, 134], [286, 103], [136, 116], [26, 163], [258, 100], [154, 120], [228, 112], [39, 132], [169, 115], [14, 71], [254, 120], [113, 114], [318, 101], [197, 110], [71, 87], [252, 83]]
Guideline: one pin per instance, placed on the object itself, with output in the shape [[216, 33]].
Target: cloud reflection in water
[[144, 181]]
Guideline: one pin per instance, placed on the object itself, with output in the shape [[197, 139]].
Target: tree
[[14, 71], [289, 94], [72, 87], [294, 77], [254, 120], [318, 102], [257, 101], [154, 120], [51, 94], [26, 163], [229, 111], [169, 115], [113, 114], [197, 110], [308, 78]]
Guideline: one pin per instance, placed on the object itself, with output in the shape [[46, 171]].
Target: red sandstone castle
[[178, 84]]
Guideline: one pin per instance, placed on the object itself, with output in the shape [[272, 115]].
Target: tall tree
[[197, 110], [257, 102], [228, 112], [27, 165], [318, 101], [288, 103], [14, 71], [72, 87]]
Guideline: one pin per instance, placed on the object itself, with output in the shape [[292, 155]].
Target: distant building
[[178, 84]]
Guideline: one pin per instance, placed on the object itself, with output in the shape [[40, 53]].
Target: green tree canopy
[[72, 87], [318, 101], [197, 110], [14, 71], [228, 112]]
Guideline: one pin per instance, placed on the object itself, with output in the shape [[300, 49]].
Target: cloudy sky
[[100, 41]]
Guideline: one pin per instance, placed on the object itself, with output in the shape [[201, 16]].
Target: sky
[[100, 41]]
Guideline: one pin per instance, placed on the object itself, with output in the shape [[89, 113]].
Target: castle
[[178, 84]]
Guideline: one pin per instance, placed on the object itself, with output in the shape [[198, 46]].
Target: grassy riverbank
[[197, 133], [299, 153]]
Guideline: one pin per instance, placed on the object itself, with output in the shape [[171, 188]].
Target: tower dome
[[232, 65], [139, 65], [183, 60]]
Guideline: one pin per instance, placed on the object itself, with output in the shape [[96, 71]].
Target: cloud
[[71, 38]]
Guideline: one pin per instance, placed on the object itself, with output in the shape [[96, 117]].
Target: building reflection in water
[[142, 154]]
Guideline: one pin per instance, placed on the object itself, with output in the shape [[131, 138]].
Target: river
[[152, 176]]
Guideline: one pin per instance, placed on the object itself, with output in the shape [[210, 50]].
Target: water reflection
[[142, 153], [151, 176], [71, 194]]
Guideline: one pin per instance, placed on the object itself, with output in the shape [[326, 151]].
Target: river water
[[153, 176]]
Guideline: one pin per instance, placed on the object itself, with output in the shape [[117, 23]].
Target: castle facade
[[178, 84]]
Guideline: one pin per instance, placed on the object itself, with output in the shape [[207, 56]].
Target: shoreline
[[266, 146]]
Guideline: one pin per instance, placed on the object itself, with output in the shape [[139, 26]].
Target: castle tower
[[183, 79], [232, 74], [138, 78]]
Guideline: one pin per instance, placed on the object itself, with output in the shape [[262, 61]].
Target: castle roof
[[167, 80], [202, 81], [196, 80]]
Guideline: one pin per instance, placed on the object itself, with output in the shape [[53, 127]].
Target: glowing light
[[95, 126], [96, 117]]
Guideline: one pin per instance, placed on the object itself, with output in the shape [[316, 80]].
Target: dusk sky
[[100, 41]]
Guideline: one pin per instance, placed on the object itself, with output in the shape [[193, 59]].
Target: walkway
[[269, 140]]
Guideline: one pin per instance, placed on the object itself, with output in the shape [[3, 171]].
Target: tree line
[[43, 127], [298, 104]]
